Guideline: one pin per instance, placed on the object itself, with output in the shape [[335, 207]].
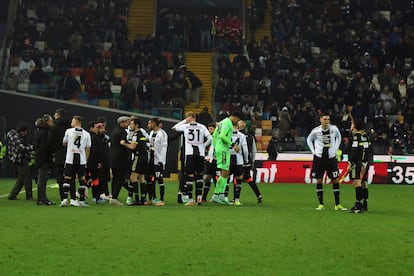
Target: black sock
[[143, 188], [66, 188], [189, 190], [237, 189], [206, 189], [365, 196], [335, 189], [319, 193], [358, 196], [226, 191], [130, 189], [199, 187], [162, 187], [150, 190], [82, 190], [254, 187], [135, 190], [72, 189]]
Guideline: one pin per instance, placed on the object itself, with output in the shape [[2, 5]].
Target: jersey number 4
[[77, 141]]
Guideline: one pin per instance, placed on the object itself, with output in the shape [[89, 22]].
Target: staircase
[[141, 18], [264, 29], [201, 64]]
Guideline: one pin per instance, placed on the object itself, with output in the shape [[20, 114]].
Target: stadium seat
[[266, 124], [258, 132], [300, 142], [118, 72], [116, 91], [103, 103]]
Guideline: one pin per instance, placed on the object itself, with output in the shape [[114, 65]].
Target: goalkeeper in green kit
[[222, 145]]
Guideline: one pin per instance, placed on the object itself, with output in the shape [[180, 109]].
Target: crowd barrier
[[296, 168]]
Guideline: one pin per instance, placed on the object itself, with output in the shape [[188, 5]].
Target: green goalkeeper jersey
[[222, 135]]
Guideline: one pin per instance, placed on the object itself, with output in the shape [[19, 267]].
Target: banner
[[300, 172]]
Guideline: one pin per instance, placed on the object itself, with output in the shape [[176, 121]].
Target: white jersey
[[158, 141], [196, 137], [239, 139], [320, 140], [77, 140]]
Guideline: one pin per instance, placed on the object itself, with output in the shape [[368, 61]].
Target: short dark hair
[[156, 120], [91, 124], [236, 114], [101, 119], [61, 112], [136, 121], [359, 124]]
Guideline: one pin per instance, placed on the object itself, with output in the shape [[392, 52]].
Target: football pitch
[[283, 236]]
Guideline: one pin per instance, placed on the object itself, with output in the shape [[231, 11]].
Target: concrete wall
[[18, 107]]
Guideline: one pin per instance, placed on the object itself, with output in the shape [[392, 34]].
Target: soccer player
[[324, 141], [158, 142], [196, 139], [78, 143], [238, 157], [251, 146], [139, 163], [358, 158], [222, 145], [94, 163], [210, 165]]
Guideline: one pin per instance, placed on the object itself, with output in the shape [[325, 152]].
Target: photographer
[[19, 152]]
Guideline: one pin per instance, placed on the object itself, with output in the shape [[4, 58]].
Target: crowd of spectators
[[328, 56], [338, 56], [207, 30], [52, 37]]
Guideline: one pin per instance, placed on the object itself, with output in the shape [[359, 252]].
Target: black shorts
[[194, 164], [321, 165], [356, 169], [154, 171], [140, 164], [235, 169], [71, 170], [210, 168], [247, 173]]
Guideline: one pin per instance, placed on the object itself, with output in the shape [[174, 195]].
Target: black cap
[[21, 127]]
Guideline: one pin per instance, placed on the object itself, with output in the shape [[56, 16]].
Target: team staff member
[[56, 134], [158, 142], [119, 158], [78, 143], [196, 139], [222, 144], [324, 141], [252, 150], [43, 157], [358, 158]]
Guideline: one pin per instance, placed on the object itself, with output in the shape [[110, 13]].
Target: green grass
[[284, 236]]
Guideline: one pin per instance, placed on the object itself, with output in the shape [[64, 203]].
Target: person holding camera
[[20, 152]]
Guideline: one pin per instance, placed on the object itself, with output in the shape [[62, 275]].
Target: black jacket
[[42, 146], [56, 134]]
